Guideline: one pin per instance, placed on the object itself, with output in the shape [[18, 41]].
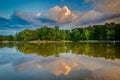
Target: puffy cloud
[[58, 15], [110, 9], [24, 18], [104, 11], [90, 17], [54, 16], [95, 17]]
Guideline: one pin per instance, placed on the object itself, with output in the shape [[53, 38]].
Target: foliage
[[107, 31]]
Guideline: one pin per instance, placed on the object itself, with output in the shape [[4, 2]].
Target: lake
[[60, 61]]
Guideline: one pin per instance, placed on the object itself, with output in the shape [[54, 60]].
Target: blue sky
[[17, 15]]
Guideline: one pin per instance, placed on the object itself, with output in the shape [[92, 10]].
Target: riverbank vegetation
[[107, 31]]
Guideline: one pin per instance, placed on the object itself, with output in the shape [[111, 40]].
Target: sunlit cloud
[[58, 15]]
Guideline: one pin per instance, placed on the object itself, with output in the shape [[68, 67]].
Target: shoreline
[[99, 41], [62, 41]]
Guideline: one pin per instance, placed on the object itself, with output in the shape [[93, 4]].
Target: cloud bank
[[108, 6], [104, 11]]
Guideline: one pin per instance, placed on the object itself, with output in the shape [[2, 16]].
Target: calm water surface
[[60, 61]]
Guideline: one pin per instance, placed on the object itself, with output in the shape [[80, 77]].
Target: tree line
[[108, 31]]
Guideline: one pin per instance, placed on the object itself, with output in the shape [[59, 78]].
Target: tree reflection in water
[[106, 50]]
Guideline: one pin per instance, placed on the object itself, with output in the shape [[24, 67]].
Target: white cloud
[[59, 15], [105, 11], [25, 18], [63, 15], [89, 17]]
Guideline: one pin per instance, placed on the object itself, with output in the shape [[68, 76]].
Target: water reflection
[[63, 61], [106, 50]]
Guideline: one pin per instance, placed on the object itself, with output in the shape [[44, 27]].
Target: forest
[[108, 31]]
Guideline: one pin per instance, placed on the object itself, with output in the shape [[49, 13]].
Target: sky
[[17, 15]]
